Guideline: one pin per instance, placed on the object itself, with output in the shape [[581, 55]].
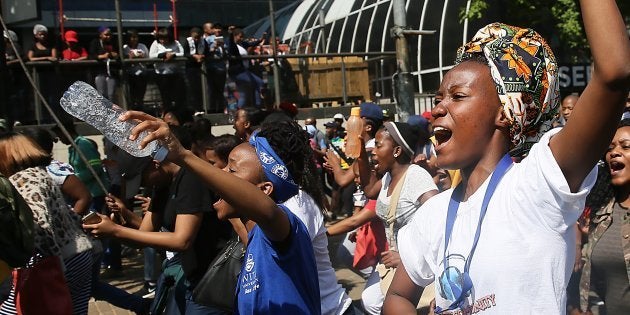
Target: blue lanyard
[[453, 205]]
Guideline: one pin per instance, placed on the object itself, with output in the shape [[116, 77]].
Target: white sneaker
[[150, 295]]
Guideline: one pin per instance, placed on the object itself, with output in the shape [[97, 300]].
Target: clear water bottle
[[82, 101]]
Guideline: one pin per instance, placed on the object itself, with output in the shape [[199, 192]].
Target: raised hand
[[157, 130]]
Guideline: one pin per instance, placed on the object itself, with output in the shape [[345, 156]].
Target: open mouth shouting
[[442, 136], [374, 163], [615, 167]]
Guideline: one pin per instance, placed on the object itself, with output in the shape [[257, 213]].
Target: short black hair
[[183, 135], [132, 32], [41, 136], [222, 145], [624, 123], [254, 115], [201, 130], [238, 31], [183, 115], [163, 33], [276, 116], [376, 125]]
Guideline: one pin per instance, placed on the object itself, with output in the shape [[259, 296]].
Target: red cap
[[71, 36]]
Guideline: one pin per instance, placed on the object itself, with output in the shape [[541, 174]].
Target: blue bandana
[[284, 187]]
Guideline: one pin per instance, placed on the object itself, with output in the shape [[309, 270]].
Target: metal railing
[[86, 69]]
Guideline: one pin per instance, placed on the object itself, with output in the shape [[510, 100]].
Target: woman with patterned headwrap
[[502, 241]]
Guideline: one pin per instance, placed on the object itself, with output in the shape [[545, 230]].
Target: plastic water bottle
[[354, 128], [82, 101]]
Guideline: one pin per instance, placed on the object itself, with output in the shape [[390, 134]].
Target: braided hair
[[291, 144]]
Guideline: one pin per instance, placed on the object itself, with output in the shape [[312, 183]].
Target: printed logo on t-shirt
[[451, 281], [249, 265], [480, 305], [249, 281]]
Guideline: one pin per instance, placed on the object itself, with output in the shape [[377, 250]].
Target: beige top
[[58, 229]]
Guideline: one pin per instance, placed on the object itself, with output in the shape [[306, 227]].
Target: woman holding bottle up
[[279, 274]]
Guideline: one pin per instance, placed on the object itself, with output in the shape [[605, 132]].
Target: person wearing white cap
[[9, 34], [41, 50], [341, 131], [11, 37]]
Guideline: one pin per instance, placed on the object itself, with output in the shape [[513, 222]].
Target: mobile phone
[[91, 218]]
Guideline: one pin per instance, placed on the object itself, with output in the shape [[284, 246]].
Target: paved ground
[[132, 282]]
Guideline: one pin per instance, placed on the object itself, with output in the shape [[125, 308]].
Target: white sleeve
[[420, 180], [154, 50], [180, 49], [541, 193], [412, 245]]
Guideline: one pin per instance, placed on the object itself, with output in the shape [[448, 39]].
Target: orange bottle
[[354, 128]]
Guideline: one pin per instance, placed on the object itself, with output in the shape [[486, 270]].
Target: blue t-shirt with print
[[279, 278]]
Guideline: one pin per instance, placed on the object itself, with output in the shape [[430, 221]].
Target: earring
[[395, 155]]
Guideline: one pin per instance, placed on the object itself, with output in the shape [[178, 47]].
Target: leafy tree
[[560, 21]]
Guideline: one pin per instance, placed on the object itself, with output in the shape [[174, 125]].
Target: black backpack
[[16, 220]]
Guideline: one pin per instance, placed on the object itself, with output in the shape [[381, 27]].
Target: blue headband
[[275, 170]]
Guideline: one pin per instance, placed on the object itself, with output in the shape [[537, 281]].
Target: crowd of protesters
[[501, 199], [177, 66]]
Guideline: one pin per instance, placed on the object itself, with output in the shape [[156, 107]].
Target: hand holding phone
[[91, 218]]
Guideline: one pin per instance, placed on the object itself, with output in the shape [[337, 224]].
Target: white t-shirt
[[417, 182], [59, 171], [334, 299], [525, 252], [243, 52]]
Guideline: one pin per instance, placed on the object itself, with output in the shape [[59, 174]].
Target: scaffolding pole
[[121, 52], [274, 45], [403, 86]]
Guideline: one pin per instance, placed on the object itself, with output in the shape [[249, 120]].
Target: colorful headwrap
[[525, 73], [284, 187]]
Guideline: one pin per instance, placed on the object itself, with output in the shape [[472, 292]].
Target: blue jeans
[[170, 293], [113, 295], [149, 264], [248, 86]]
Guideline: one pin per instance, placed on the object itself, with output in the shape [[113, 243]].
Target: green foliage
[[568, 22], [476, 10], [559, 21]]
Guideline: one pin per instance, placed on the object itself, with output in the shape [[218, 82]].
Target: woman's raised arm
[[247, 198], [593, 122]]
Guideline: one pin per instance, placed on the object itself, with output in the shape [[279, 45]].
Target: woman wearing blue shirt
[[279, 275]]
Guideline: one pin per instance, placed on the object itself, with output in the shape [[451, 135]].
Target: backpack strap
[[393, 205]]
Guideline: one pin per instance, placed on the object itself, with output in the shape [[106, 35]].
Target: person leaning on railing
[[104, 49], [168, 72]]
